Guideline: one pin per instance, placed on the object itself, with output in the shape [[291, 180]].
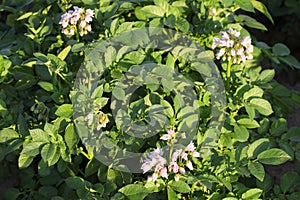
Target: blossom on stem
[[76, 20], [232, 47]]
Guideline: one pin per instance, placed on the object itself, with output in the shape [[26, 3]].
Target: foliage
[[41, 108]]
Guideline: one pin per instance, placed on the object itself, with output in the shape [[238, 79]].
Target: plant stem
[[228, 68], [228, 75]]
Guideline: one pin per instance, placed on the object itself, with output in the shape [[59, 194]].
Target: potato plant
[[140, 99]]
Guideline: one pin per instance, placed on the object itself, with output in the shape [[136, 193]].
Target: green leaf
[[38, 135], [71, 137], [24, 160], [11, 194], [46, 86], [183, 24], [248, 123], [32, 148], [48, 152], [134, 191], [262, 106], [64, 53], [264, 126], [252, 194], [266, 76], [280, 49], [263, 9], [293, 134], [278, 127], [23, 126], [64, 110], [118, 93], [250, 22], [75, 183], [257, 170], [253, 92], [241, 134], [273, 156], [43, 168], [288, 181], [245, 5], [24, 16], [257, 147], [290, 60], [172, 194], [8, 134], [152, 11], [179, 186]]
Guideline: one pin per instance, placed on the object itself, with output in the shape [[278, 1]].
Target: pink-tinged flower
[[240, 51], [181, 170], [232, 52], [174, 167], [189, 165], [149, 178], [190, 147], [249, 49], [164, 172], [195, 154], [146, 167], [230, 43], [184, 156], [243, 58], [176, 177], [224, 35], [216, 42], [246, 41], [220, 53], [176, 154], [165, 137], [171, 132], [82, 24], [89, 15], [154, 176]]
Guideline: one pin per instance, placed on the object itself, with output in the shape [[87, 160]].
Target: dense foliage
[[66, 104]]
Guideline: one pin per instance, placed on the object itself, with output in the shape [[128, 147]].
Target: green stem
[[228, 68], [228, 75], [77, 35], [85, 154]]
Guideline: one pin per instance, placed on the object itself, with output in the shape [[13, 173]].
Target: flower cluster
[[76, 20], [179, 160], [233, 47]]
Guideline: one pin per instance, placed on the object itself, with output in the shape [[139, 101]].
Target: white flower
[[195, 154], [184, 156], [190, 147], [246, 41], [181, 170], [164, 172], [189, 165], [165, 137], [176, 154], [176, 177], [174, 167], [220, 53]]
